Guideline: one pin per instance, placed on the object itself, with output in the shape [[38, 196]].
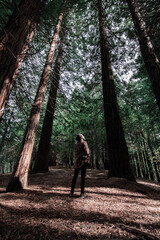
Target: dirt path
[[113, 208]]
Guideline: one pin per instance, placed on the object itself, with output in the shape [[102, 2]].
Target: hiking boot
[[71, 195], [82, 195]]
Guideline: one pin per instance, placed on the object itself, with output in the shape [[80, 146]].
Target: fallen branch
[[148, 236]]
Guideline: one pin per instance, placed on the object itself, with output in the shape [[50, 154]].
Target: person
[[82, 157]]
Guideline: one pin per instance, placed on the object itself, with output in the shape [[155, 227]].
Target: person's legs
[[74, 180], [83, 175]]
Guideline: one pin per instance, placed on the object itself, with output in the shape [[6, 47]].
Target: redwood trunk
[[42, 159], [14, 44], [19, 179], [118, 156], [150, 59]]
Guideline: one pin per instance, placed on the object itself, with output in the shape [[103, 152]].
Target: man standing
[[82, 156]]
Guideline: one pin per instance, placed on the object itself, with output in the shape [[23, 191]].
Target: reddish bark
[[42, 158], [118, 156], [19, 179], [14, 43], [150, 59]]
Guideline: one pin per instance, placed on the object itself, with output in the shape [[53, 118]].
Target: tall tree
[[14, 43], [42, 157], [19, 178], [118, 155], [149, 56]]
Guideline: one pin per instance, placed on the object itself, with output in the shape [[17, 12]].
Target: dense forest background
[[79, 102]]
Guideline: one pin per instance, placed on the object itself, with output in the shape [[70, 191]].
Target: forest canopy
[[77, 79]]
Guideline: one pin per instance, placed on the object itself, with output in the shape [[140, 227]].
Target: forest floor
[[113, 208]]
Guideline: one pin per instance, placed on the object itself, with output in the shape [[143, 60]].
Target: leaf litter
[[113, 208]]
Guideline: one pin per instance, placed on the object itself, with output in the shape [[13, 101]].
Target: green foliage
[[6, 9], [79, 106]]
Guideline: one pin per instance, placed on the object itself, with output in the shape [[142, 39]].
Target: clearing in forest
[[113, 208]]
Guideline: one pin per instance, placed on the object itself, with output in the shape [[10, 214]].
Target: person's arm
[[87, 152]]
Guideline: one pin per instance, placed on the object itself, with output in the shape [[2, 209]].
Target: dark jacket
[[81, 149]]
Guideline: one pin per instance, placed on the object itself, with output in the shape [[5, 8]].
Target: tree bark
[[14, 43], [139, 158], [149, 158], [118, 155], [135, 164], [150, 58], [42, 159], [154, 158], [19, 178]]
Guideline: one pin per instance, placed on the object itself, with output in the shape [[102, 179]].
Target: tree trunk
[[92, 149], [42, 159], [5, 133], [14, 43], [139, 158], [104, 154], [118, 155], [19, 179], [149, 158], [97, 152], [135, 164], [150, 59], [153, 158]]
